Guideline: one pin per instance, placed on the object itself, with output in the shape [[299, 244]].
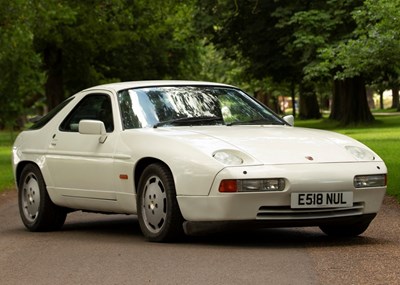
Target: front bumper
[[274, 207]]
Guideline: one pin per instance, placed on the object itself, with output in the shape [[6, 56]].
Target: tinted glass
[[43, 121], [191, 105], [91, 107]]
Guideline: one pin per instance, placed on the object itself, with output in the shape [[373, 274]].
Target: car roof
[[118, 86]]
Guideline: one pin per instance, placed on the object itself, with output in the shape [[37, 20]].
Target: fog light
[[366, 181], [250, 185], [274, 184]]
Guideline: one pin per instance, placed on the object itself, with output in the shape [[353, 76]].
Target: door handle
[[54, 141]]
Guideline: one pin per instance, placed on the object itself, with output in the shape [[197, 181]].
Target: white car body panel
[[81, 173], [246, 206]]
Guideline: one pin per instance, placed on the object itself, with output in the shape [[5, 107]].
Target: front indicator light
[[228, 186], [367, 181], [252, 185]]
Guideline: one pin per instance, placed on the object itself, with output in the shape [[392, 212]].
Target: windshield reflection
[[190, 105]]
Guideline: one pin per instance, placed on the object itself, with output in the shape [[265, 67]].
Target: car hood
[[275, 144]]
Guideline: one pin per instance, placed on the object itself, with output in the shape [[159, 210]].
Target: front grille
[[286, 213]]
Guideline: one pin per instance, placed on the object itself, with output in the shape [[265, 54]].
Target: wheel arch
[[141, 166], [20, 167]]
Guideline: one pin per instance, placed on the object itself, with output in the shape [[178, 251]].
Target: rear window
[[43, 121]]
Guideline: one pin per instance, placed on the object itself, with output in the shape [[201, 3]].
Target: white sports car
[[187, 157]]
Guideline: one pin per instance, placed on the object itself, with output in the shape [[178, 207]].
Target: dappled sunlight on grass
[[6, 177]]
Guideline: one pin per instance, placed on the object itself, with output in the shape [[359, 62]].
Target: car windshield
[[191, 105]]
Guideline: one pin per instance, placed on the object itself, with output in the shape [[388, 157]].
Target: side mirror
[[289, 119], [93, 127]]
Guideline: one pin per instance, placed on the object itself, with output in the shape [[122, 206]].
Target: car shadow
[[117, 225], [281, 237], [128, 227]]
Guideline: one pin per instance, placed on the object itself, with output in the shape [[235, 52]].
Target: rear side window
[[50, 115], [91, 107]]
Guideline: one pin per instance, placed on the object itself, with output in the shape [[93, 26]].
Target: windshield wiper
[[189, 120], [254, 122]]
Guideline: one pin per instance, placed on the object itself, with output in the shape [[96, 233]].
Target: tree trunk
[[293, 96], [381, 106], [349, 102], [370, 98], [263, 97], [54, 85], [309, 107], [395, 98], [268, 100]]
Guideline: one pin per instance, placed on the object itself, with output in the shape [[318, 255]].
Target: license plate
[[321, 200]]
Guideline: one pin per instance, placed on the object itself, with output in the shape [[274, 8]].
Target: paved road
[[99, 249]]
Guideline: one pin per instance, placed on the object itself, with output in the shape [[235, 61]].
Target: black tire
[[159, 215], [352, 230], [38, 212]]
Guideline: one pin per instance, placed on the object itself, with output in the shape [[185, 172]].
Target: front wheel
[[352, 230], [159, 215], [38, 212]]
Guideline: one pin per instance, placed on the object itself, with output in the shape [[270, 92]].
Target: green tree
[[306, 27], [159, 43], [373, 50], [71, 37], [51, 49], [311, 42], [20, 76]]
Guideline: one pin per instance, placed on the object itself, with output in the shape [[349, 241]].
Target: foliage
[[77, 44], [372, 48], [267, 35], [20, 76], [159, 43], [91, 43], [50, 49], [307, 43]]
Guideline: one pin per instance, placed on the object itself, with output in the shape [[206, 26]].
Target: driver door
[[81, 167]]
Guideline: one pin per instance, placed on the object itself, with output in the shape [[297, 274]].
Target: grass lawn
[[6, 177], [383, 137]]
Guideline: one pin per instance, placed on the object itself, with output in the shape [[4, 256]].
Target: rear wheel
[[159, 215], [38, 212], [352, 230]]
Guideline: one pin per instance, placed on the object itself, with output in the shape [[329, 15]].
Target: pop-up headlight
[[360, 153], [227, 158]]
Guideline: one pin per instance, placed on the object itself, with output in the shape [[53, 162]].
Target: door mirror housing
[[289, 119], [93, 127]]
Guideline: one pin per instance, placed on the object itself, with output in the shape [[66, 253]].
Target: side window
[[44, 120], [91, 107]]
